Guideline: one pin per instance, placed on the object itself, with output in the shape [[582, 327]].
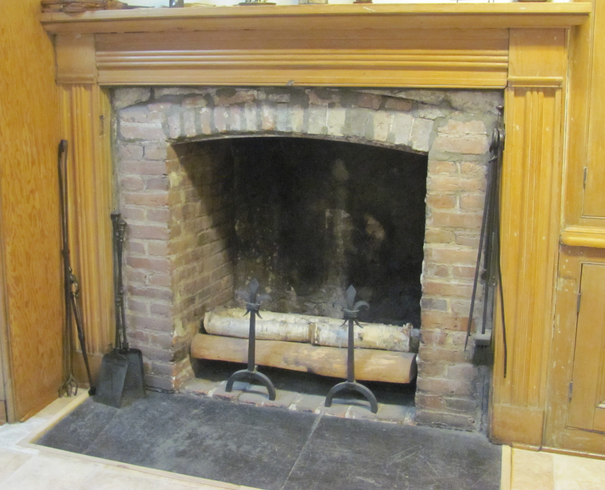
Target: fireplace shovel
[[121, 378]]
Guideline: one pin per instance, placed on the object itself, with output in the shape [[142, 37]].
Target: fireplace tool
[[488, 256], [71, 286], [253, 301], [121, 377], [350, 310]]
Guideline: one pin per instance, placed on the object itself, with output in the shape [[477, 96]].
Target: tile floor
[[24, 466]]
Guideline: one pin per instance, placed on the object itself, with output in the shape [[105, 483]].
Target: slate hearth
[[276, 448]]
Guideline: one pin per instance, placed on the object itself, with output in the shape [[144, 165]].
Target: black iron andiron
[[253, 301], [350, 310]]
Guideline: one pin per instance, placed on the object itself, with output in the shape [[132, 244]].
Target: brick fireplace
[[177, 257], [518, 49]]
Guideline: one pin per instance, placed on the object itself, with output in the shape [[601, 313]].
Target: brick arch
[[179, 115]]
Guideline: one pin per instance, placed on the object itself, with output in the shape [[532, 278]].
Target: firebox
[[308, 190]]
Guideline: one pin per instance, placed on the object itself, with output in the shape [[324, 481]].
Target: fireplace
[[200, 172], [517, 48]]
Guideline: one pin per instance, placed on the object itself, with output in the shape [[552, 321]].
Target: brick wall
[[174, 193]]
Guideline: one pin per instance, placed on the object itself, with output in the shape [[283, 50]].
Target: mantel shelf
[[353, 16]]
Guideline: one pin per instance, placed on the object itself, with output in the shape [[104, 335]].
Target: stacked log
[[316, 330], [308, 343]]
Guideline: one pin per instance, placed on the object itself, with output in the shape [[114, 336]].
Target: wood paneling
[[530, 233], [29, 124]]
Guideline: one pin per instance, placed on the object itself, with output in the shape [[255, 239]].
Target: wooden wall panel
[[29, 124]]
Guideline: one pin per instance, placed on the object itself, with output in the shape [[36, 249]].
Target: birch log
[[316, 330], [370, 364]]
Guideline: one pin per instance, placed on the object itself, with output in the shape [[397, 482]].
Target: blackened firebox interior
[[313, 216]]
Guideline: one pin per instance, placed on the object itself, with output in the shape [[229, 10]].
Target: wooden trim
[[76, 58], [348, 57], [530, 225], [583, 236], [86, 125], [403, 16], [515, 423], [529, 82], [7, 390]]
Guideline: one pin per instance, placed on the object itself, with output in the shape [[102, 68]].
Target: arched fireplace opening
[[187, 256]]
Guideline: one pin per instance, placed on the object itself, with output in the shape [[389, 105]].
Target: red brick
[[131, 213], [145, 167], [472, 201], [450, 256], [369, 101], [461, 272], [473, 169], [435, 270], [443, 419], [148, 232], [131, 183], [430, 354], [447, 289], [157, 248], [455, 220], [151, 264], [160, 183], [462, 371], [439, 236], [449, 183], [442, 167], [163, 280], [156, 199], [439, 386], [431, 402], [400, 105], [444, 320], [164, 294], [467, 239], [432, 337], [441, 201]]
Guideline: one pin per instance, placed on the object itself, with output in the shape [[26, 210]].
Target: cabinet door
[[587, 404]]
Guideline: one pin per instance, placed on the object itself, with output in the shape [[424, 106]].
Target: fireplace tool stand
[[350, 314], [253, 301]]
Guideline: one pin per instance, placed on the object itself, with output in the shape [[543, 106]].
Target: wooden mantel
[[521, 48], [331, 17]]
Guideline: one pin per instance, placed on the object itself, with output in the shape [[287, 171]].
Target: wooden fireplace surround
[[520, 48]]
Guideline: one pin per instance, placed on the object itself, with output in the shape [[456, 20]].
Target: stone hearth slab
[[272, 448]]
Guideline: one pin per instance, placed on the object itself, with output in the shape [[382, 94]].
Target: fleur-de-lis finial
[[351, 308], [252, 298]]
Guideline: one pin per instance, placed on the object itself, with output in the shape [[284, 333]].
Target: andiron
[[253, 301], [350, 310]]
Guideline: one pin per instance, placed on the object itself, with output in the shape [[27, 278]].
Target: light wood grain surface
[[30, 129]]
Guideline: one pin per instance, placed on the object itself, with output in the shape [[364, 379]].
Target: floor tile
[[532, 470], [11, 461], [48, 473], [573, 473], [337, 457]]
